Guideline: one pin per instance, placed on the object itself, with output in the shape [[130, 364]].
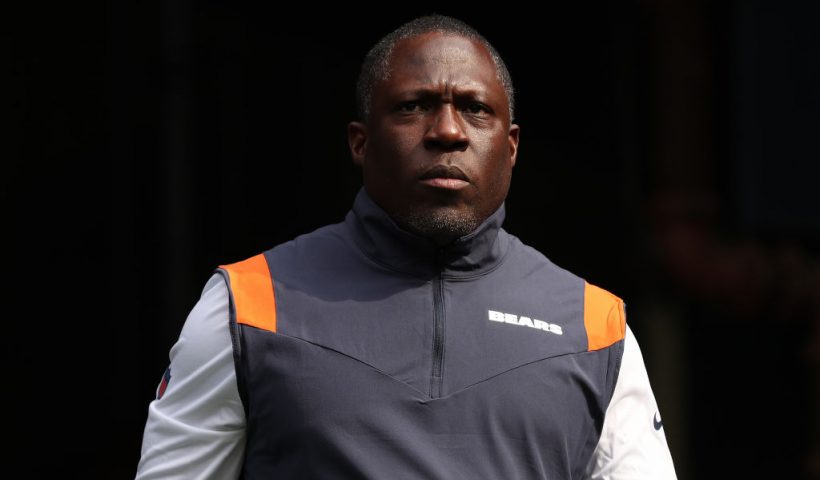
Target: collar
[[384, 242]]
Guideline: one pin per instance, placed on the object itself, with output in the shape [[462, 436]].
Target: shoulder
[[314, 248], [603, 313], [206, 327], [603, 310], [604, 317], [530, 261]]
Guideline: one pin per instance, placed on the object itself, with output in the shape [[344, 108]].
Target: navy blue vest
[[364, 351]]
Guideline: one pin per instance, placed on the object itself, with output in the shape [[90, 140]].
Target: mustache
[[445, 171]]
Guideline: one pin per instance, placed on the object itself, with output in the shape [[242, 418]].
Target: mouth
[[446, 177]]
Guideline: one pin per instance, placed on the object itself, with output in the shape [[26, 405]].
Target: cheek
[[495, 150], [497, 179], [401, 139], [391, 151], [491, 140]]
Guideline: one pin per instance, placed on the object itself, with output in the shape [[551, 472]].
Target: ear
[[357, 140], [513, 139]]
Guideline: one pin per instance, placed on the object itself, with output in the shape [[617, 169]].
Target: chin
[[440, 223]]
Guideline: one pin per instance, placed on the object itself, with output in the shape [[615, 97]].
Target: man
[[417, 339]]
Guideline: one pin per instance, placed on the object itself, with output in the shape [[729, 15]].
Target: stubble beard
[[442, 225]]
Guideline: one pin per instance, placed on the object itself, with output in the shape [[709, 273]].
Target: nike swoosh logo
[[658, 423]]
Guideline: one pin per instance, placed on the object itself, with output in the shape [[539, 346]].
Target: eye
[[476, 108], [409, 107]]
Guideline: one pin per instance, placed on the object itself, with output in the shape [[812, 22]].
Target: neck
[[388, 242]]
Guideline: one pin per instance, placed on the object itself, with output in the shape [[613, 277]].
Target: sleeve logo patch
[[163, 384]]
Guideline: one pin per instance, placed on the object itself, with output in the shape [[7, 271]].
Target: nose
[[446, 130]]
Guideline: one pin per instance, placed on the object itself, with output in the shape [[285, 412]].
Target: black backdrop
[[667, 154]]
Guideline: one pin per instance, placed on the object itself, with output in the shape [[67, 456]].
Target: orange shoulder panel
[[604, 317], [253, 294]]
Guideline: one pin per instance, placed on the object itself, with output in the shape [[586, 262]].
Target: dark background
[[669, 152]]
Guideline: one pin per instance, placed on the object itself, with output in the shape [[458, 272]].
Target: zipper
[[436, 379]]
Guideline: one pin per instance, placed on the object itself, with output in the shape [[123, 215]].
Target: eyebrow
[[435, 92]]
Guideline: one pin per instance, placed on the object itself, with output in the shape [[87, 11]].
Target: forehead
[[438, 57]]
